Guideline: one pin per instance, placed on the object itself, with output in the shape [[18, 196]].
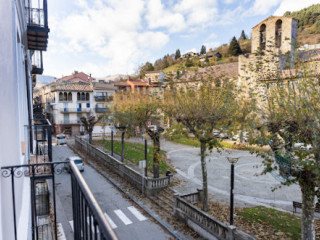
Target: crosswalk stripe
[[123, 217], [137, 213], [113, 225], [71, 224]]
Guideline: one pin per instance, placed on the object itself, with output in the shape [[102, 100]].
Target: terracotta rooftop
[[75, 77], [72, 88], [103, 86], [130, 82]]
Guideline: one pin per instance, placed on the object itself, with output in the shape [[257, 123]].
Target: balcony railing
[[84, 207], [38, 31], [74, 110], [37, 63], [69, 122], [100, 98], [101, 110]]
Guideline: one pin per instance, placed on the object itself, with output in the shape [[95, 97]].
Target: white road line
[[137, 213], [71, 224], [123, 217], [112, 224], [61, 234]]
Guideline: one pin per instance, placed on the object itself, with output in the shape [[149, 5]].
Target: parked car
[[78, 162], [61, 139]]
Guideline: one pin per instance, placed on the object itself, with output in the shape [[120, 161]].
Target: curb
[[151, 214]]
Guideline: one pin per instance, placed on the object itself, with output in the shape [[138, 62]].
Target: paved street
[[128, 221], [250, 187]]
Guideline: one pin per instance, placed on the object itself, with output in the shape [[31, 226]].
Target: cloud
[[289, 5], [262, 7], [157, 16], [112, 32]]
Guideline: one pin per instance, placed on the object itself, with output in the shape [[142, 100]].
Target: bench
[[296, 205]]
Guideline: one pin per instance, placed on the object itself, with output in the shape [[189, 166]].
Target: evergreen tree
[[203, 50], [243, 35], [188, 63], [178, 54], [234, 47]]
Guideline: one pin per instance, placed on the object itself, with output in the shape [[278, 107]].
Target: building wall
[[14, 116], [289, 34]]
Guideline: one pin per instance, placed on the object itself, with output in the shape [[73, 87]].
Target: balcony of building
[[74, 110], [40, 173], [37, 62], [69, 122], [101, 109], [100, 98], [37, 30]]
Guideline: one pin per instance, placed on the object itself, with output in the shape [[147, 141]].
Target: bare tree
[[202, 107], [89, 123]]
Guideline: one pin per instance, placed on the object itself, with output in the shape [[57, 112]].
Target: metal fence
[[88, 218], [146, 184]]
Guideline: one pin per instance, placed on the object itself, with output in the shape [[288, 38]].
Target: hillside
[[309, 24], [308, 33]]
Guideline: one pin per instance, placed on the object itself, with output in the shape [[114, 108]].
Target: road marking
[[71, 224], [123, 217], [137, 213], [112, 224], [61, 234]]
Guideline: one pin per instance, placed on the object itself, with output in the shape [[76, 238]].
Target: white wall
[[14, 116]]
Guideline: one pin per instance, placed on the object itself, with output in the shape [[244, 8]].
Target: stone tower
[[275, 33]]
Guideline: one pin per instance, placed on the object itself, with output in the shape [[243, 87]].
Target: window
[[60, 96], [78, 96], [138, 90], [263, 37], [278, 33], [87, 96], [69, 96], [83, 97], [65, 96], [144, 90], [88, 105]]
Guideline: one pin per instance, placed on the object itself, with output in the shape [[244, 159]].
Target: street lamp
[[122, 129], [232, 160]]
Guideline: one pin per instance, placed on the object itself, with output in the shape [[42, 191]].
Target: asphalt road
[[127, 221], [251, 188]]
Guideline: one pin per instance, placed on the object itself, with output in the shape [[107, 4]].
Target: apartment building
[[24, 35]]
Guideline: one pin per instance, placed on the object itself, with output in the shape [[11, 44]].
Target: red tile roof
[[76, 77], [72, 88]]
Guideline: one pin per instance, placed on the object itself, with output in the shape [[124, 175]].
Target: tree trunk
[[122, 146], [308, 195], [204, 176], [156, 155], [90, 137]]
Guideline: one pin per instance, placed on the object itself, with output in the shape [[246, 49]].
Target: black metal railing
[[101, 109], [43, 139], [37, 16], [37, 173], [37, 62], [100, 98], [88, 218]]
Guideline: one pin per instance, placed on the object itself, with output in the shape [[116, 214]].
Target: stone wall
[[288, 36]]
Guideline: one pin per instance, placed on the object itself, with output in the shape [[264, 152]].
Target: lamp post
[[122, 129], [232, 160], [112, 142], [146, 156]]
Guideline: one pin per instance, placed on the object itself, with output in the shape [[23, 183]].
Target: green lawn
[[135, 153], [283, 222], [195, 143]]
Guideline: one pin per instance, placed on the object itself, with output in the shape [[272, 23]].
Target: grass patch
[[195, 143], [135, 153], [283, 222]]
